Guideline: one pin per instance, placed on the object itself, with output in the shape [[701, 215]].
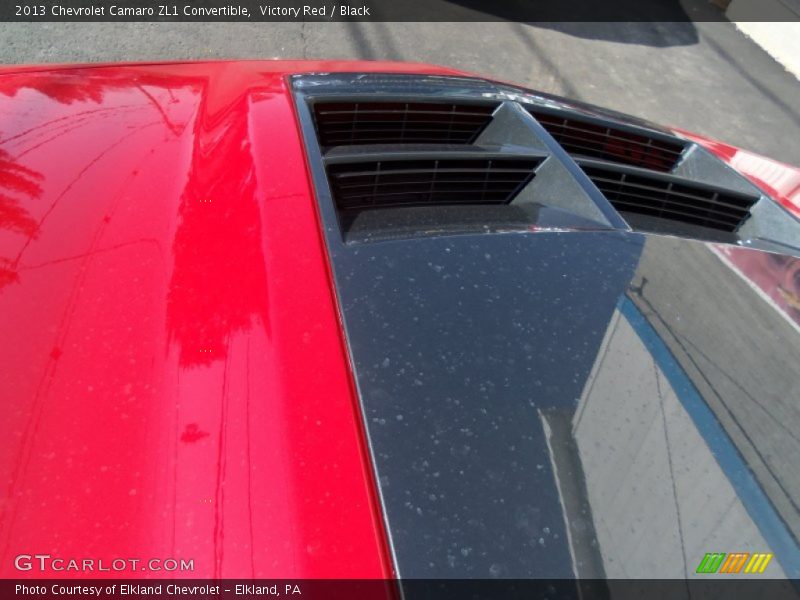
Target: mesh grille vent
[[352, 123], [584, 138], [656, 197], [404, 183]]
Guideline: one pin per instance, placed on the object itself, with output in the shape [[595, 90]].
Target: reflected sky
[[218, 238]]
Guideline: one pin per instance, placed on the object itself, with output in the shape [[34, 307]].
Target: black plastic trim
[[669, 198]]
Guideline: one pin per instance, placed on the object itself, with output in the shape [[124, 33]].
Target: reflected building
[[685, 438]]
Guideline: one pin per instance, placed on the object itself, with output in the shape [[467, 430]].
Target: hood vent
[[433, 182], [352, 123], [596, 139], [670, 199], [398, 156]]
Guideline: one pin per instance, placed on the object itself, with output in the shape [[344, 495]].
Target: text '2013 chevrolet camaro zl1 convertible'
[[300, 320]]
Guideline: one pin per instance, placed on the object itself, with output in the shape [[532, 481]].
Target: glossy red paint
[[779, 180], [173, 376]]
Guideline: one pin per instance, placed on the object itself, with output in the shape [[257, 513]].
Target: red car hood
[[170, 337]]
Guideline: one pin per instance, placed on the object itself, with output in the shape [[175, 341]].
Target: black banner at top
[[393, 10]]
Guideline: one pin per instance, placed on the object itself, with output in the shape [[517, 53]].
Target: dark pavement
[[707, 77]]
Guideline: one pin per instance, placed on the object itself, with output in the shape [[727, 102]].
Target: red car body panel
[[174, 376], [174, 379]]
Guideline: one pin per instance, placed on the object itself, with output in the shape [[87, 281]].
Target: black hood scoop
[[415, 145], [552, 375]]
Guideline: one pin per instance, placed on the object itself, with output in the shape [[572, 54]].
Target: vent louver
[[395, 156], [668, 199], [352, 123], [586, 138], [414, 183]]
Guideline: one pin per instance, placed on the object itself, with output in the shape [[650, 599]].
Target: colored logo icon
[[733, 563]]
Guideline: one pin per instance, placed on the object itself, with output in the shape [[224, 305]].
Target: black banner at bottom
[[731, 588]]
